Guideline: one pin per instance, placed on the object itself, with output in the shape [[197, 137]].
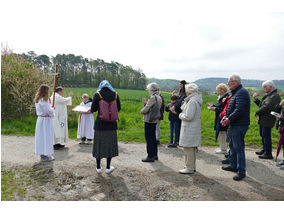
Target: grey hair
[[191, 88], [236, 77], [153, 87], [268, 83]]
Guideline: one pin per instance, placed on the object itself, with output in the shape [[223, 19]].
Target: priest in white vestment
[[60, 121]]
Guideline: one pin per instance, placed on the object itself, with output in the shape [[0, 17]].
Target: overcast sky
[[166, 39]]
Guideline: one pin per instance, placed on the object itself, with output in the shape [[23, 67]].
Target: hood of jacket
[[194, 96]]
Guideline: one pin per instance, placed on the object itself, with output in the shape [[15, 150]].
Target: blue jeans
[[265, 134], [174, 127], [150, 136], [236, 135]]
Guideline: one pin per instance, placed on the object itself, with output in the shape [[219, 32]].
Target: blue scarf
[[103, 84]]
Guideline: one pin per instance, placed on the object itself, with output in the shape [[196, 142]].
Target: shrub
[[20, 80]]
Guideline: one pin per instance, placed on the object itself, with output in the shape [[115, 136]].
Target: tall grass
[[130, 124]]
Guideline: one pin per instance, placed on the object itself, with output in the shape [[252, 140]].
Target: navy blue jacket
[[173, 117], [238, 110]]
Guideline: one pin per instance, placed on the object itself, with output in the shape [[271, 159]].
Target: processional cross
[[56, 77]]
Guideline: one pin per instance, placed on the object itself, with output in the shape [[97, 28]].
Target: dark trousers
[[174, 128], [236, 136], [150, 136], [265, 134]]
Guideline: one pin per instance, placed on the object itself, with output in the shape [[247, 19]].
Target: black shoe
[[156, 158], [239, 177], [228, 168], [61, 146], [265, 156], [226, 161], [260, 152], [227, 155], [170, 145], [56, 147], [158, 143], [148, 159]]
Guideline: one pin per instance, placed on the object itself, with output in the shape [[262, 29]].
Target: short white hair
[[191, 88], [268, 83], [236, 77], [153, 87]]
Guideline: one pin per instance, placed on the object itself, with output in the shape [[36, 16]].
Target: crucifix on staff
[[60, 121]]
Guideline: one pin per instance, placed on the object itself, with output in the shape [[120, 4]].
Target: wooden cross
[[56, 77]]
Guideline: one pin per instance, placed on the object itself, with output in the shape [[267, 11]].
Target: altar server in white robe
[[44, 125], [86, 121], [60, 121]]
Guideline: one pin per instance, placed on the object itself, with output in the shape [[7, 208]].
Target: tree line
[[77, 71]]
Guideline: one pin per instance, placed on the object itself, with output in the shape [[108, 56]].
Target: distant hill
[[209, 84]]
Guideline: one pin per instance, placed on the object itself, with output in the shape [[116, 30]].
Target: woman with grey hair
[[150, 124], [190, 133]]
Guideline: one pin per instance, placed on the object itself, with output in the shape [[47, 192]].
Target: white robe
[[44, 128], [60, 122], [86, 123]]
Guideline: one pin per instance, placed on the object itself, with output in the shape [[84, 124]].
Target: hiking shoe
[[220, 152], [281, 163], [186, 171], [110, 170], [226, 161], [44, 158], [261, 152], [148, 159], [239, 177], [99, 170], [228, 168], [265, 156]]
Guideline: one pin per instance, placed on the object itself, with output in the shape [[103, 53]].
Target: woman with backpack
[[106, 102]]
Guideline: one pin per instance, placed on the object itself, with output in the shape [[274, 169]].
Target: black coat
[[266, 105], [280, 110], [108, 96], [219, 108]]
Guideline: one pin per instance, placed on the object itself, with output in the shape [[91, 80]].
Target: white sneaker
[[220, 152], [99, 170], [186, 171], [108, 171], [281, 163]]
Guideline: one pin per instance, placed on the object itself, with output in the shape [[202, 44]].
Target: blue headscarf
[[103, 84]]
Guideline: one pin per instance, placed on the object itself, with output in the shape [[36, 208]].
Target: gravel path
[[72, 175]]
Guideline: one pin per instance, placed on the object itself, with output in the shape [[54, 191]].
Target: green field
[[131, 126]]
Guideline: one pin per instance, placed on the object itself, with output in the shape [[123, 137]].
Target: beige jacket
[[151, 101]]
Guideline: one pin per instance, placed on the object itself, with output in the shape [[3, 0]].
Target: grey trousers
[[190, 157]]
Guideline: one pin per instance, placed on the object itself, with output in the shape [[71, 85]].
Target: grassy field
[[131, 126]]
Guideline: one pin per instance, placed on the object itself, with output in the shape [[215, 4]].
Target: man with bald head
[[238, 119]]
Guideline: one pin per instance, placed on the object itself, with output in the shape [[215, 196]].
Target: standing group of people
[[232, 121], [52, 126], [234, 127]]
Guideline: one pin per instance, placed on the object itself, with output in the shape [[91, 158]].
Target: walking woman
[[190, 133], [44, 126], [105, 136]]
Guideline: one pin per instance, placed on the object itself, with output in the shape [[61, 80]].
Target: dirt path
[[72, 175]]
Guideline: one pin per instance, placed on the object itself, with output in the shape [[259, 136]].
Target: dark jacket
[[266, 105], [162, 107], [173, 117], [238, 110], [219, 108], [108, 96], [280, 109]]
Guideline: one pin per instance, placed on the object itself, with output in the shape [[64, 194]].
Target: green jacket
[[266, 105]]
